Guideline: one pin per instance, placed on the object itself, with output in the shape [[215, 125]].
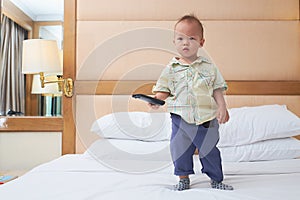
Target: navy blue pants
[[184, 141]]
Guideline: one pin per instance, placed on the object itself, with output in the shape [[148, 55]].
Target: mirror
[[42, 19], [54, 32], [49, 99]]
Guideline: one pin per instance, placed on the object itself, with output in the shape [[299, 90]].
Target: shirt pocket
[[177, 81], [208, 77]]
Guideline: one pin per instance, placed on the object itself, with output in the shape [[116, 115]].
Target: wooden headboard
[[115, 96], [122, 46]]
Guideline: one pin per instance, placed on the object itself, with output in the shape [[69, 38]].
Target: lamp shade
[[40, 55], [48, 89]]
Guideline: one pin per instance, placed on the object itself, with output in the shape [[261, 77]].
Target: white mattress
[[82, 177]]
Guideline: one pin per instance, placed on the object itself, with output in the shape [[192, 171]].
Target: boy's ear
[[202, 42]]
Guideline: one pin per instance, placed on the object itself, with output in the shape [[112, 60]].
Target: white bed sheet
[[82, 177]]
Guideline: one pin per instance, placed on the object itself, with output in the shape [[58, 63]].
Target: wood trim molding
[[113, 87], [18, 16], [263, 88], [37, 25], [69, 71], [31, 124], [234, 87]]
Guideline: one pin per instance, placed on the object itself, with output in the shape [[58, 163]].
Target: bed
[[82, 177], [260, 166], [131, 160]]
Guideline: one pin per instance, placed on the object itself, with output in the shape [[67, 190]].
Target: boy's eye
[[179, 38], [192, 38]]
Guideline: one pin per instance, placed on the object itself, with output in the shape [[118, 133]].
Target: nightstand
[[13, 172], [16, 173]]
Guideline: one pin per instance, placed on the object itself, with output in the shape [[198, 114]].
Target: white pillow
[[131, 156], [131, 146], [252, 124], [134, 126], [276, 149]]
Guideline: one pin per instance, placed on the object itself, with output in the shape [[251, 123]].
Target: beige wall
[[25, 150]]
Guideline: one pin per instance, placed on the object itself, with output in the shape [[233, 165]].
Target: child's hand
[[161, 96], [222, 115], [153, 106]]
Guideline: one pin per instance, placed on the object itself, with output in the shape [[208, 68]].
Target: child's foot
[[220, 185], [184, 184]]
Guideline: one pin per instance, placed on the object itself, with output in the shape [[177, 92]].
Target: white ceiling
[[42, 10]]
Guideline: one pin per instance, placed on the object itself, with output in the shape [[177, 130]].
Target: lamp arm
[[66, 84]]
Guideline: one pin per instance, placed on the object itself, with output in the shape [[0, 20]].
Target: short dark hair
[[191, 18]]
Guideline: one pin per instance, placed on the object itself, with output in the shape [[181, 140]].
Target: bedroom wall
[[248, 40], [23, 151]]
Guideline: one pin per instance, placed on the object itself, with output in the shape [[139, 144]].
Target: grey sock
[[184, 184], [220, 185]]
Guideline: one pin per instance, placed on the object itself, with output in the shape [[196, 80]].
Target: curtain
[[12, 81]]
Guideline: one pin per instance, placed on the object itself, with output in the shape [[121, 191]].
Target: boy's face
[[188, 39]]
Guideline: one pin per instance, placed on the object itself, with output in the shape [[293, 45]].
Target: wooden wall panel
[[243, 50], [104, 44], [172, 9], [255, 43], [31, 124], [122, 87], [97, 106], [291, 101]]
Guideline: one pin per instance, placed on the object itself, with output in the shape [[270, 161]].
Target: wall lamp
[[42, 56]]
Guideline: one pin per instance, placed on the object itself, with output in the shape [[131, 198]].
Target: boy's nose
[[185, 42]]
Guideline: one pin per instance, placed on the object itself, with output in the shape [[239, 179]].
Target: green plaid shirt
[[191, 89]]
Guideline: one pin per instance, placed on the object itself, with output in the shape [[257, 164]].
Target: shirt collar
[[200, 59]]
